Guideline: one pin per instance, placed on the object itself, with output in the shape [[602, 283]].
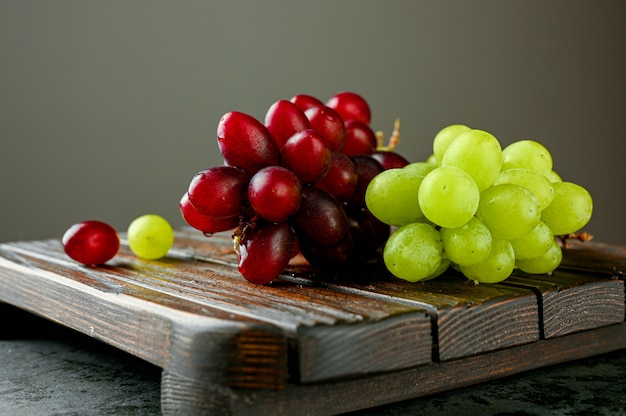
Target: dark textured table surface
[[46, 369]]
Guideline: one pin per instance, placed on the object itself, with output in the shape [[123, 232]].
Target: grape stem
[[394, 139], [564, 240]]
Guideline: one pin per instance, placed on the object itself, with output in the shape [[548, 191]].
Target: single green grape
[[478, 153], [535, 182], [391, 196], [413, 252], [444, 137], [570, 210], [443, 267], [467, 245], [150, 236], [553, 176], [498, 265], [533, 244], [527, 154], [448, 196], [510, 211], [545, 263]]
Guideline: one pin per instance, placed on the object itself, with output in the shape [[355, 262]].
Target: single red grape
[[321, 219], [350, 106], [308, 155], [218, 191], [91, 242], [246, 143], [274, 193], [390, 160], [264, 250], [329, 124], [283, 119], [341, 179], [205, 223], [304, 101], [360, 139]]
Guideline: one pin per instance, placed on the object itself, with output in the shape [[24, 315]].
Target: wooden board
[[313, 343]]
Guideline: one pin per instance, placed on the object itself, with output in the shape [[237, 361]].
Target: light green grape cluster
[[478, 208]]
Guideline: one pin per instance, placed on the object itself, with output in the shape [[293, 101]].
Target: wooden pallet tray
[[312, 343]]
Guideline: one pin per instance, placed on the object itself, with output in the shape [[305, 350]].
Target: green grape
[[527, 154], [444, 137], [545, 263], [448, 196], [413, 252], [419, 168], [150, 236], [533, 244], [478, 153], [467, 245], [570, 209], [510, 211], [391, 196], [554, 177], [535, 182], [498, 265]]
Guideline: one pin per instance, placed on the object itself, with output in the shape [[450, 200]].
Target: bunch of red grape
[[294, 184]]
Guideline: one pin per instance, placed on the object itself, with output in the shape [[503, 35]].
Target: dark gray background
[[108, 108]]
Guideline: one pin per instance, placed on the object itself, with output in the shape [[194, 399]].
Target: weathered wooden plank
[[571, 301], [467, 318], [312, 318], [213, 349]]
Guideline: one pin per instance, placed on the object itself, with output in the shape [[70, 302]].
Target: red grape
[[264, 250], [341, 179], [205, 223], [366, 167], [360, 139], [274, 193], [304, 101], [350, 106], [390, 160], [91, 242], [246, 143], [218, 191], [283, 119], [321, 219], [307, 155], [329, 124]]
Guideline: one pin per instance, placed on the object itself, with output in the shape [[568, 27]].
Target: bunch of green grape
[[478, 208]]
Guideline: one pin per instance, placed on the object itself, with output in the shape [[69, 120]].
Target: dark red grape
[[341, 179], [91, 242], [360, 139], [366, 167], [246, 143], [321, 219], [274, 193], [283, 119], [390, 160], [329, 124], [308, 155], [264, 250], [205, 223], [304, 101], [335, 258], [350, 106], [218, 191]]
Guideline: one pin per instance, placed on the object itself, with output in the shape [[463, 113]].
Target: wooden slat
[[311, 318], [144, 323]]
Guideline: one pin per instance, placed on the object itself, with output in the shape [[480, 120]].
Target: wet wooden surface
[[227, 345]]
